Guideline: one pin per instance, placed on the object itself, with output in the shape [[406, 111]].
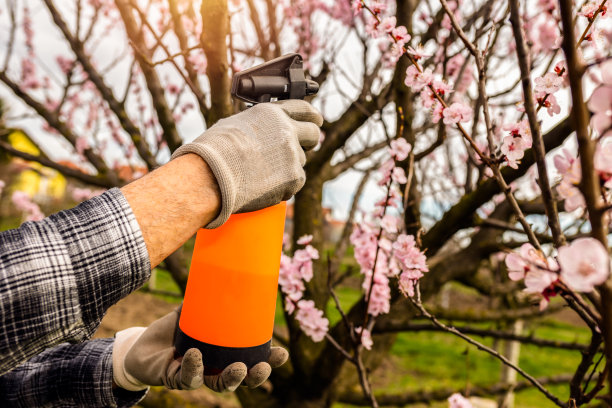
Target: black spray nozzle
[[280, 78]]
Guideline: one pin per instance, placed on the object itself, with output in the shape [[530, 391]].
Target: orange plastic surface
[[231, 290]]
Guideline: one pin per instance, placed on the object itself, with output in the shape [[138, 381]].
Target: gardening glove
[[257, 156], [145, 356]]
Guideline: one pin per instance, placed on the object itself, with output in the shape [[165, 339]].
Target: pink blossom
[[388, 24], [400, 149], [304, 240], [371, 27], [64, 63], [585, 263], [536, 269], [173, 89], [312, 321], [603, 163], [551, 105], [538, 281], [459, 401], [521, 130], [589, 9], [381, 292], [548, 34], [357, 6], [418, 52], [549, 83], [366, 337], [24, 203], [386, 171], [514, 150], [28, 75], [199, 63], [418, 80], [389, 223], [400, 34], [571, 195], [438, 113], [600, 104], [398, 175], [2, 185], [412, 262], [456, 113], [568, 166]]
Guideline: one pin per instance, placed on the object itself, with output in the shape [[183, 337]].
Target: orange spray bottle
[[230, 299]]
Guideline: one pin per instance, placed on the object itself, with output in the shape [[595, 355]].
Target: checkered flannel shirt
[[58, 277]]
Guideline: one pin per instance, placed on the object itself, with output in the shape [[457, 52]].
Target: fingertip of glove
[[233, 375], [278, 357], [192, 369], [258, 374], [301, 110]]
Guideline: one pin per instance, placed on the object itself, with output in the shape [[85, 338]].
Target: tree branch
[[136, 36], [117, 107], [99, 181], [550, 203]]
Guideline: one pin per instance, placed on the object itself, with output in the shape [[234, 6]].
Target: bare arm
[[172, 203]]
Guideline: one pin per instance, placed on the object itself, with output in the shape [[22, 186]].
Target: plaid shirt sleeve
[[68, 375], [58, 276]]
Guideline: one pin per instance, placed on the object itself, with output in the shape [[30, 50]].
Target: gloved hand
[[256, 155], [146, 356]]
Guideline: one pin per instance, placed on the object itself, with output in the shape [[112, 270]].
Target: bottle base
[[216, 358]]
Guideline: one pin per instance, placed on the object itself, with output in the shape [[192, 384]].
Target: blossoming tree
[[450, 107]]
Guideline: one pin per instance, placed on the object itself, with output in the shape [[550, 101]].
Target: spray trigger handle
[[280, 78]]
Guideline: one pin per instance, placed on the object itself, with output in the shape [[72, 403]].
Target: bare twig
[[417, 303], [538, 144]]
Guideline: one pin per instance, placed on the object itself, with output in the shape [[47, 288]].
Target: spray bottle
[[230, 299]]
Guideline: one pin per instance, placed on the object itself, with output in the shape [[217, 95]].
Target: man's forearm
[[172, 203]]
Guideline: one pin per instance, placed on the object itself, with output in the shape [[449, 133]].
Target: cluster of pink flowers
[[381, 250], [425, 82], [293, 273], [386, 27], [367, 250], [23, 202], [514, 144], [412, 262], [311, 320], [581, 265]]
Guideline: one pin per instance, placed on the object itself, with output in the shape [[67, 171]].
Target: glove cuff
[[124, 340], [221, 157]]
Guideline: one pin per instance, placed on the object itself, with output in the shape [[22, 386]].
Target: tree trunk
[[215, 26]]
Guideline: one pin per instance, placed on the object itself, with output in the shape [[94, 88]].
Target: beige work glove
[[146, 356], [257, 156]]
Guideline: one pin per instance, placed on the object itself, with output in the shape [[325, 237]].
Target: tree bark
[[215, 27]]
